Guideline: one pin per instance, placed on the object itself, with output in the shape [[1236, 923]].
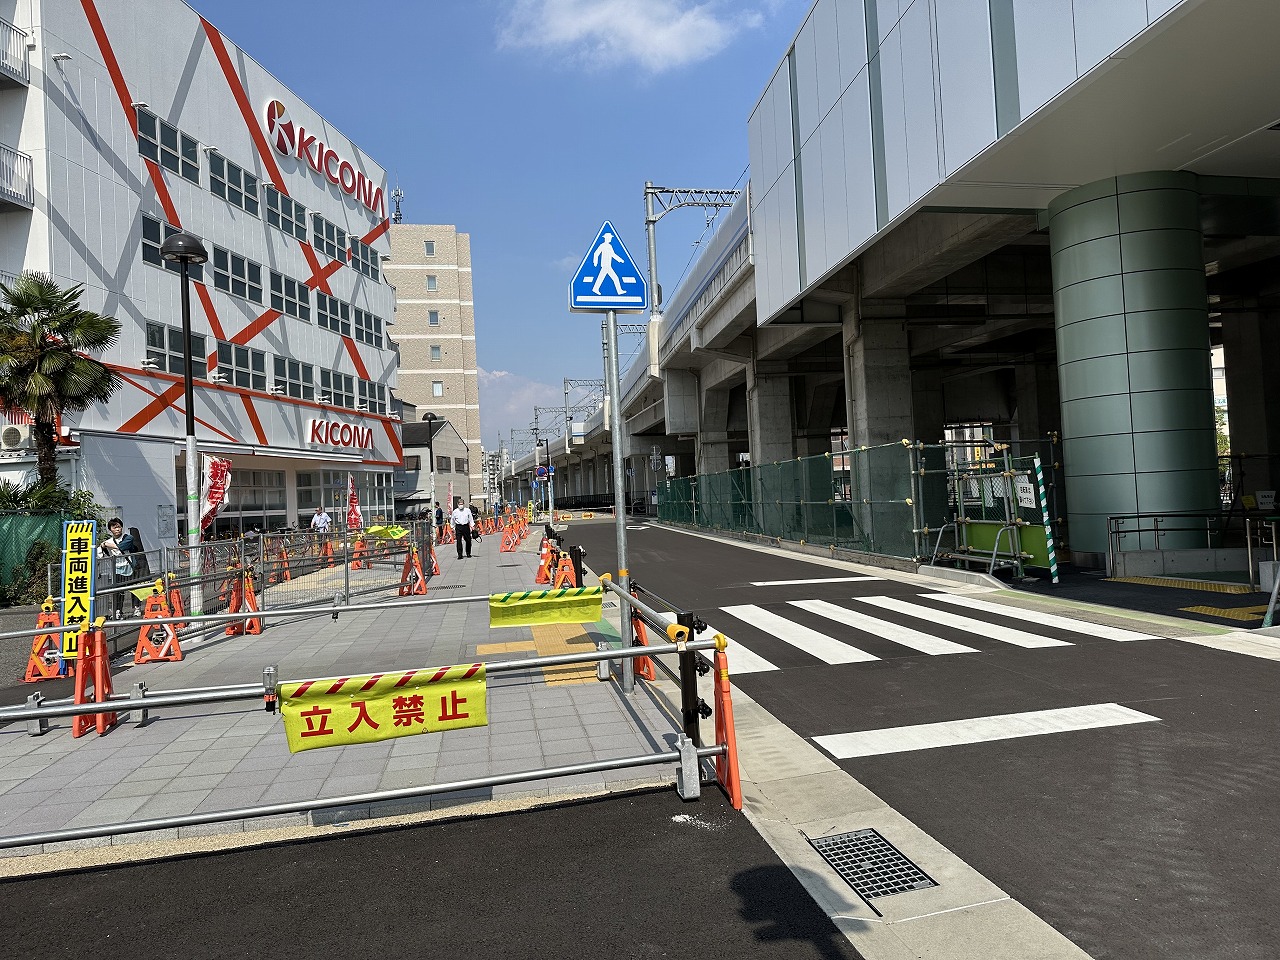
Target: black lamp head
[[183, 248]]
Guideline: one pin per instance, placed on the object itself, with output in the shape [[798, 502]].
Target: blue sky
[[527, 123]]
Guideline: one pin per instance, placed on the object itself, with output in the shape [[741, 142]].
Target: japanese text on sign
[[344, 710], [78, 538]]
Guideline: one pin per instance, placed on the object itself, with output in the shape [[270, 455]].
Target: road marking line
[[798, 583], [1046, 619], [883, 628], [741, 660], [952, 733], [1018, 638], [816, 644]]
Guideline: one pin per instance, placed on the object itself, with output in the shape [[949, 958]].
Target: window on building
[[168, 146], [443, 464], [368, 327], [437, 388], [286, 214], [243, 366], [295, 378], [432, 283], [154, 233], [333, 314], [329, 238], [433, 318], [412, 462], [233, 184], [236, 275], [373, 396], [364, 259], [290, 297], [340, 388], [460, 464], [435, 353], [164, 349], [429, 247]]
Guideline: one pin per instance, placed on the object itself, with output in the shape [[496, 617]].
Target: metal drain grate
[[870, 864]]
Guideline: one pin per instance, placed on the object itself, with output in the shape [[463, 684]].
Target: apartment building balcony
[[15, 66], [16, 188]]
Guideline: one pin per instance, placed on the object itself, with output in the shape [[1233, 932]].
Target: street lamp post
[[184, 250], [430, 420]]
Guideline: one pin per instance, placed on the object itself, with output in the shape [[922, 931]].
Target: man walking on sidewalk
[[462, 521]]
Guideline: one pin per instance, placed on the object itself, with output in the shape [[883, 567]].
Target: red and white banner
[[217, 478], [354, 520]]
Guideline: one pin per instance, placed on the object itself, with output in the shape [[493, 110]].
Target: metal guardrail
[[687, 755], [1192, 523], [16, 184]]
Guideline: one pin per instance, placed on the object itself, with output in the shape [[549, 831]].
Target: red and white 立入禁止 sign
[[292, 140], [333, 433], [354, 520], [217, 478]]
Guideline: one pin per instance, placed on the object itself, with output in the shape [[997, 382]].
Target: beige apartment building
[[435, 329]]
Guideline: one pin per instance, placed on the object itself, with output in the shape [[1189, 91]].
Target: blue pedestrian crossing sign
[[608, 278]]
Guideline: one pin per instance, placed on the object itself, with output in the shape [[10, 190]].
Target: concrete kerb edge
[[242, 834]]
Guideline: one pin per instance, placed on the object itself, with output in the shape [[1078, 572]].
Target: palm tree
[[44, 370]]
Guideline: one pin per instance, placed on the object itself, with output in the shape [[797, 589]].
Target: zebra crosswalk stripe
[[741, 660], [812, 642], [1099, 630], [1018, 638], [914, 639]]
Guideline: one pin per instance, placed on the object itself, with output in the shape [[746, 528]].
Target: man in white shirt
[[462, 521], [321, 521]]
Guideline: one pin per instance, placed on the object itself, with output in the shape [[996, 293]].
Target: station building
[[122, 123], [1034, 218]]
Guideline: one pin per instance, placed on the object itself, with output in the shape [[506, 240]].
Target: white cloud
[[507, 401], [657, 35]]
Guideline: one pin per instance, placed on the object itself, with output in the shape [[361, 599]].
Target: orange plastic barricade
[[168, 649], [564, 573], [41, 666], [447, 536], [360, 558], [176, 608], [435, 564], [280, 570], [326, 553], [244, 598], [545, 563], [726, 764], [93, 667], [412, 582], [644, 665], [509, 540]]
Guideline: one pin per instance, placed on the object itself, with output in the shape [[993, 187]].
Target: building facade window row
[[368, 327], [154, 233], [164, 350], [242, 366], [328, 238], [364, 259], [236, 275], [168, 146], [286, 214], [290, 297], [233, 183]]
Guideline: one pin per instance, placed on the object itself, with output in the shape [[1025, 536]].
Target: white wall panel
[[1046, 51], [859, 168], [806, 68], [966, 77], [789, 246], [1103, 26], [920, 100], [897, 187], [827, 48], [851, 29], [814, 206], [887, 13], [835, 195]]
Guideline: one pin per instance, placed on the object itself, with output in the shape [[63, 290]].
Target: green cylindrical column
[[1133, 355]]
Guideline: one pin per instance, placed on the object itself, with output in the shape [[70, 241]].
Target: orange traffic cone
[[435, 564]]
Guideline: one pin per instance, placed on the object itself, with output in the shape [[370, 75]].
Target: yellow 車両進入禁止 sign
[[338, 711], [78, 538]]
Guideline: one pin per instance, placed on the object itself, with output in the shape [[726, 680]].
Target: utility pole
[[666, 199]]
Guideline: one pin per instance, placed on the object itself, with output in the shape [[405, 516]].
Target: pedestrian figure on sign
[[603, 259]]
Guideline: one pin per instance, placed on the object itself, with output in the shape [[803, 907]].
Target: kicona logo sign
[[293, 140]]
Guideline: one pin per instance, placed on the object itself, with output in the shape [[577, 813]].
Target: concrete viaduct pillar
[[1133, 353]]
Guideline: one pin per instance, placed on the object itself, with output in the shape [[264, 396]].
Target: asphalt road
[[642, 875], [1151, 840]]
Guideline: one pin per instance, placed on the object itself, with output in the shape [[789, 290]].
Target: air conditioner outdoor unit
[[16, 436]]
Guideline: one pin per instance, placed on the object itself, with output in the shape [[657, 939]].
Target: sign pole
[[619, 480]]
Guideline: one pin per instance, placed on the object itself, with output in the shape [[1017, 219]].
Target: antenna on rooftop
[[396, 196]]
